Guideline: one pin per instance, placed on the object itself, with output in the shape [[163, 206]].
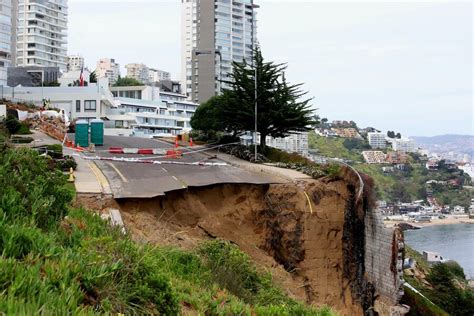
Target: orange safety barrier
[[174, 154]]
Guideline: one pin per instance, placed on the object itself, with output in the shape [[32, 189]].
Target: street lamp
[[217, 52]]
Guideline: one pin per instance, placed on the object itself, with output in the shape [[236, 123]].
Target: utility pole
[[256, 95]]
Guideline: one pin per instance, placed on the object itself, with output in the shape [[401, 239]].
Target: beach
[[449, 220]]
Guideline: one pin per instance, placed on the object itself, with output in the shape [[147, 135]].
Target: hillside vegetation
[[333, 147], [443, 286], [400, 185], [59, 260]]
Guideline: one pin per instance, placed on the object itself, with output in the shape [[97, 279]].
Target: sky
[[403, 66]]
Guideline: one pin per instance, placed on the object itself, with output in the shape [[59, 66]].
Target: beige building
[[108, 68], [138, 72]]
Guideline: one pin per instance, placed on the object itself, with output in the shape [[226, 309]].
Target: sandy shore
[[450, 220]]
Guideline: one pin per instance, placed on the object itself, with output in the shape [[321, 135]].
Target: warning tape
[[154, 162]]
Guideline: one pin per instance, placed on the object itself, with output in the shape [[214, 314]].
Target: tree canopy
[[281, 108], [127, 81]]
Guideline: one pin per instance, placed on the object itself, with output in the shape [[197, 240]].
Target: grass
[[56, 259], [332, 147], [383, 182]]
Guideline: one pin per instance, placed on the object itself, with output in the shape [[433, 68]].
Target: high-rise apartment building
[[156, 75], [75, 63], [138, 72], [214, 33], [108, 68], [42, 33], [8, 22], [377, 140]]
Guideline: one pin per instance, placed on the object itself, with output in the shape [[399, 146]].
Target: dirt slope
[[298, 236]]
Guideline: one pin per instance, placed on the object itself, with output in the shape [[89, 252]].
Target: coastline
[[450, 220]]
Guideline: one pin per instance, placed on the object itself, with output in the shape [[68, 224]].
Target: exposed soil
[[297, 236]]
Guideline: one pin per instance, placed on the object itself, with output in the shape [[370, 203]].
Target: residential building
[[347, 132], [32, 76], [397, 157], [374, 157], [294, 143], [42, 33], [156, 75], [75, 63], [377, 140], [404, 145], [108, 68], [156, 113], [138, 72], [8, 25], [214, 33], [169, 86], [78, 102]]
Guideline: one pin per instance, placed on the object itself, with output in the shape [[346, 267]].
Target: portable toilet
[[97, 132], [82, 133]]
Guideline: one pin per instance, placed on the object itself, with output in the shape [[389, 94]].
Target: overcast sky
[[396, 66]]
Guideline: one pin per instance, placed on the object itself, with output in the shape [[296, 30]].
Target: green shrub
[[24, 129], [447, 291], [29, 191], [232, 269], [420, 305], [12, 124]]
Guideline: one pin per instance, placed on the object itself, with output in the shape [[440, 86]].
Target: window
[[118, 124], [78, 105], [90, 105]]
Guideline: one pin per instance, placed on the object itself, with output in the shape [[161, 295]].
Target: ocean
[[454, 242]]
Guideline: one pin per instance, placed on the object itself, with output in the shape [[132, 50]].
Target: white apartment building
[[214, 33], [404, 145], [154, 112], [294, 143], [85, 103], [155, 75], [377, 140], [138, 72], [75, 63], [8, 24], [108, 68], [42, 33]]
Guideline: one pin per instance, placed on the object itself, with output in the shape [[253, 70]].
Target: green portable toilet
[[82, 133], [97, 132]]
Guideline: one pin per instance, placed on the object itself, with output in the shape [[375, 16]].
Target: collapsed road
[[140, 180]]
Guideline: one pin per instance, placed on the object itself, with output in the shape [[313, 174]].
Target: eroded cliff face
[[310, 235]]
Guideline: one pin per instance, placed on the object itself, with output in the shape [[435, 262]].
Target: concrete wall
[[383, 263]]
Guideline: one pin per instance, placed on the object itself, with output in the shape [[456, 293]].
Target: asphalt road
[[138, 180]]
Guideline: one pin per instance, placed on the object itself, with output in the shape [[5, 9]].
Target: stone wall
[[383, 263]]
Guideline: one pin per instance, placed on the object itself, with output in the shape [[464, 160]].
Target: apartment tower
[[108, 68], [214, 33], [42, 33], [8, 23]]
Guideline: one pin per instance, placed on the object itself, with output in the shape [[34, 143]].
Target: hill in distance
[[461, 144]]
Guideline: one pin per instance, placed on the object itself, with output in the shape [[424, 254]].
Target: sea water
[[454, 242]]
